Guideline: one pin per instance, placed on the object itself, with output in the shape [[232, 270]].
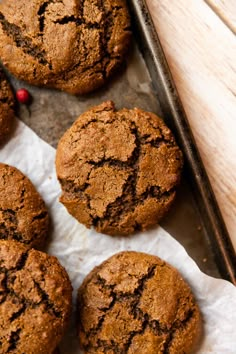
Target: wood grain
[[226, 10], [201, 52]]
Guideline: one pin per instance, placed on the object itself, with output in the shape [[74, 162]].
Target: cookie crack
[[81, 8], [42, 11], [119, 297], [106, 348], [95, 331], [9, 232], [19, 265], [105, 27], [159, 129], [169, 142], [157, 143], [110, 162], [78, 21], [96, 120], [24, 303], [159, 329], [40, 216], [117, 7], [41, 14], [142, 282], [23, 42], [177, 326], [68, 19], [22, 198], [70, 186], [129, 188], [135, 333], [115, 214], [17, 314], [46, 300], [7, 100], [13, 340], [155, 192], [5, 289], [22, 261]]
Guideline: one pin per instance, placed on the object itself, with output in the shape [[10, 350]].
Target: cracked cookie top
[[6, 106], [23, 214], [118, 169], [35, 300], [137, 303], [72, 45]]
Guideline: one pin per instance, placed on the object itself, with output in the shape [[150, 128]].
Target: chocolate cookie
[[23, 214], [73, 46], [6, 107], [136, 303], [118, 169], [35, 300]]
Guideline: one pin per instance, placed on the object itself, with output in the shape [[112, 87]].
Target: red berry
[[23, 96]]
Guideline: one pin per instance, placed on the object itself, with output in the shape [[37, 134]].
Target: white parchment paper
[[79, 249]]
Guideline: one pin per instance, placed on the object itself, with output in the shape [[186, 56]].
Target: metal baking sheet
[[214, 227], [145, 82]]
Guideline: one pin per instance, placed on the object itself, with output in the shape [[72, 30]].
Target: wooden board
[[226, 10], [201, 52]]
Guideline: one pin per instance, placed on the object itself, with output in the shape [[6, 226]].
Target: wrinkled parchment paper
[[79, 249]]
